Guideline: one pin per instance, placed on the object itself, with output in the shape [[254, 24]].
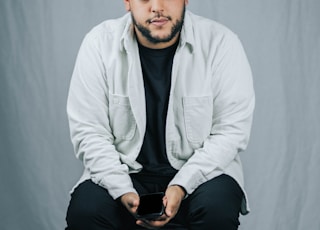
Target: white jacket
[[209, 113]]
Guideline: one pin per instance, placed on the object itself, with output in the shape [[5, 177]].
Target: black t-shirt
[[156, 68]]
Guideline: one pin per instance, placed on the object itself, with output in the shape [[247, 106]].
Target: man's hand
[[173, 197], [131, 202], [172, 200]]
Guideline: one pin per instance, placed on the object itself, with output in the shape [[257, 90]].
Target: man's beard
[[155, 39]]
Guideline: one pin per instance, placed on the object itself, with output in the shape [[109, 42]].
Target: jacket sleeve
[[91, 135], [233, 106]]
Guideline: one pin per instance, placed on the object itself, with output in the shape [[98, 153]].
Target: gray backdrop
[[39, 42]]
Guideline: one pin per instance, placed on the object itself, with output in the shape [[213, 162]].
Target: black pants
[[215, 205]]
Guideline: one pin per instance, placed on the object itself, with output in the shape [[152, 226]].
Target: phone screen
[[151, 205]]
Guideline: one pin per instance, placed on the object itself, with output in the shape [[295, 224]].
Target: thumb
[[133, 202], [169, 209], [130, 201]]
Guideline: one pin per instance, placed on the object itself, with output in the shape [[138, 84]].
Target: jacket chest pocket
[[197, 113], [122, 121]]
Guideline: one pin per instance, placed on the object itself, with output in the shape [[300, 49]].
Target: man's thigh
[[91, 207], [214, 205]]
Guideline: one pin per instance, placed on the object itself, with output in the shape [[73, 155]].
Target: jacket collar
[[128, 38]]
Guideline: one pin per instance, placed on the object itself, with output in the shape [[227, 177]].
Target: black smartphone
[[151, 206]]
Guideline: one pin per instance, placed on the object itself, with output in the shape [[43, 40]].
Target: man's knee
[[217, 203], [219, 212], [81, 216], [91, 207]]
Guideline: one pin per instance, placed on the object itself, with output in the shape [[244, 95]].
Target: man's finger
[[133, 202]]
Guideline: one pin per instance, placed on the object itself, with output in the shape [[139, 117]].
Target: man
[[161, 100]]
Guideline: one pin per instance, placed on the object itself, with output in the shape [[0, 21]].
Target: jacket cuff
[[118, 187], [188, 181]]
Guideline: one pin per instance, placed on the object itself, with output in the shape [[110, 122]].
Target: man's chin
[[156, 40], [160, 38]]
